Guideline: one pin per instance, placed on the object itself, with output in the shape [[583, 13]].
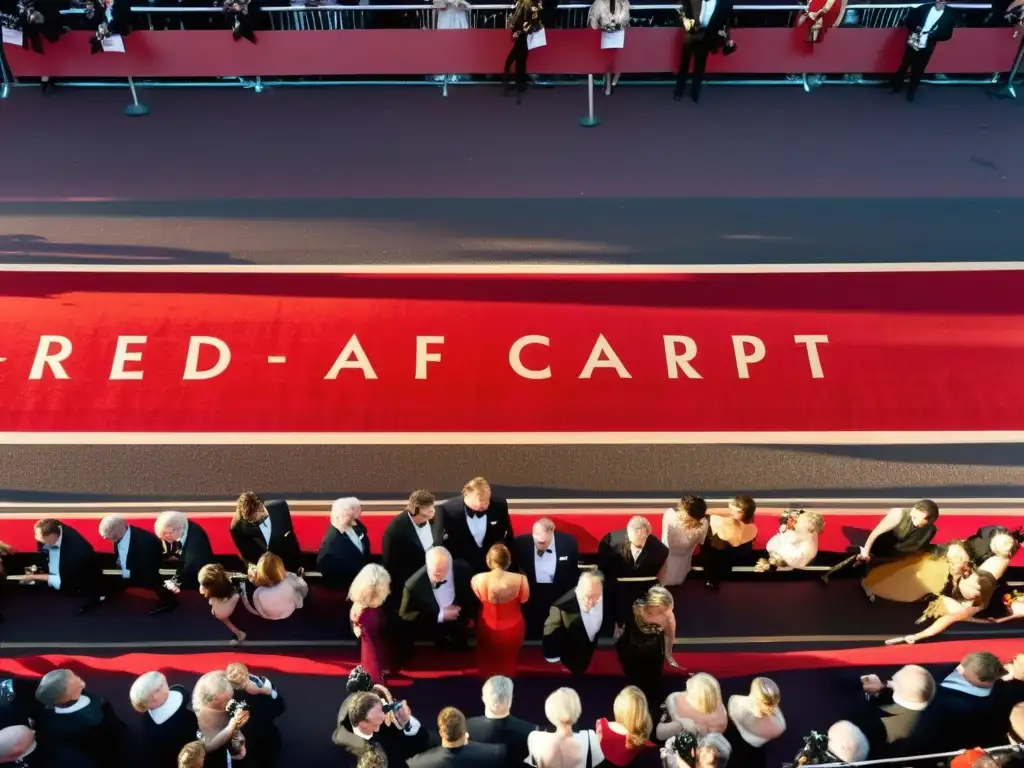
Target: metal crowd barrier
[[939, 758]]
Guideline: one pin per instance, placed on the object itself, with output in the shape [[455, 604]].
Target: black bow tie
[[542, 552], [437, 584], [422, 525], [476, 515], [173, 549]]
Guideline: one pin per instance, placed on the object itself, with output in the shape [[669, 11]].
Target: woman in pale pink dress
[[699, 709], [273, 592], [683, 529]]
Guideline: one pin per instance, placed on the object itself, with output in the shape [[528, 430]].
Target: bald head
[[439, 561], [913, 684], [112, 528], [15, 741]]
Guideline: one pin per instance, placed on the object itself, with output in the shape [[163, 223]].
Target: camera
[[814, 750], [259, 682], [684, 745], [234, 707], [359, 681]]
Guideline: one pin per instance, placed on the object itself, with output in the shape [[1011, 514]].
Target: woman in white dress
[[699, 709], [564, 748], [756, 720], [683, 529], [795, 545]]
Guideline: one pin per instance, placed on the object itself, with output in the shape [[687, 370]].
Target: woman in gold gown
[[970, 595], [918, 576]]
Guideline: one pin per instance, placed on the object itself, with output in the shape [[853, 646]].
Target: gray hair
[[717, 742], [591, 575], [112, 526], [209, 687], [498, 694], [639, 522], [848, 742], [53, 687], [143, 688], [435, 552], [341, 506], [172, 522]]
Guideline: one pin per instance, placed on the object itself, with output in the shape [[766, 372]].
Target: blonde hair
[[192, 755], [765, 696], [817, 520], [237, 674], [703, 693], [270, 570], [659, 597], [371, 586], [209, 687], [632, 713], [476, 485], [563, 707]]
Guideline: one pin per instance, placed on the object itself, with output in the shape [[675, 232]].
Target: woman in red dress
[[628, 736], [369, 590], [500, 628]]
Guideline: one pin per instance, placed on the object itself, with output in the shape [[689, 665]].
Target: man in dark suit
[[927, 26], [18, 747], [258, 528], [365, 714], [897, 707], [139, 556], [633, 554], [705, 31], [265, 705], [438, 602], [550, 560], [345, 548], [456, 748], [74, 722], [70, 562], [474, 522], [407, 538], [185, 544], [575, 623], [498, 726]]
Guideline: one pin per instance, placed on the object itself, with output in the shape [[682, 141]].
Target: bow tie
[[422, 525], [437, 584], [542, 552], [173, 549], [476, 515]]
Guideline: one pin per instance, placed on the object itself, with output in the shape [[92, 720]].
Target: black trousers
[[517, 56], [695, 51], [914, 62]]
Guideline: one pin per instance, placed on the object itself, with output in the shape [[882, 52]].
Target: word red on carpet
[[512, 354]]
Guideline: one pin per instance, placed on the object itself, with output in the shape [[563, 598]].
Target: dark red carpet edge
[[433, 665]]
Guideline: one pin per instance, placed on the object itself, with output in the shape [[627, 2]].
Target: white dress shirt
[[424, 534], [635, 551], [477, 527], [706, 12], [53, 563], [444, 594], [165, 711], [354, 538], [265, 530], [544, 567], [955, 681], [593, 618], [122, 553], [934, 14]]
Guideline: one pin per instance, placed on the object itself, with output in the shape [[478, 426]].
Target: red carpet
[[775, 353]]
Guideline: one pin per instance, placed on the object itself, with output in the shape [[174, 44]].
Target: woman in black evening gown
[[644, 643]]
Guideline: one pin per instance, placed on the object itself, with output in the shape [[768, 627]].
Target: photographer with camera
[[687, 750], [264, 704], [370, 718], [220, 717]]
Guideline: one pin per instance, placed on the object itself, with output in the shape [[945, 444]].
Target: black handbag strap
[[590, 757]]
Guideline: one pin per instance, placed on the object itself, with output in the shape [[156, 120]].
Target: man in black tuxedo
[[345, 548], [705, 31], [438, 602], [631, 553], [70, 563], [407, 538], [498, 726], [186, 544], [456, 748], [550, 560], [927, 25], [365, 715], [575, 623], [474, 522], [897, 707], [139, 556], [74, 722], [258, 528], [265, 705]]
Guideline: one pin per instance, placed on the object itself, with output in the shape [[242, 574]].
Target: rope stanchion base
[[135, 109], [589, 121]]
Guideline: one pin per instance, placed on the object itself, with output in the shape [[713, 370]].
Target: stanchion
[[1008, 91], [6, 78], [135, 109], [589, 121]]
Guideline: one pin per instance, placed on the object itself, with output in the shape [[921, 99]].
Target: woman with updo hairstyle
[[755, 720], [683, 529], [699, 709], [272, 591], [216, 586], [500, 628]]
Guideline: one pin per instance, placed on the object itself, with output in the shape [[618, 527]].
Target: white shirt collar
[[911, 705], [165, 711], [82, 703], [491, 716], [361, 735]]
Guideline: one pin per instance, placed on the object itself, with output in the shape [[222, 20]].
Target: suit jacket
[[461, 543], [419, 606], [888, 726], [615, 559], [511, 732], [145, 555], [567, 550], [954, 720], [196, 553], [565, 636], [338, 559], [90, 731], [483, 755], [402, 554], [79, 567], [720, 19], [979, 546], [163, 742], [250, 542], [262, 736], [943, 30], [396, 744]]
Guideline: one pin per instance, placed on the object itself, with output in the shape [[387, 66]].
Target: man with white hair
[[632, 560], [575, 623], [169, 724], [438, 602], [345, 548], [18, 746], [185, 544], [73, 718], [847, 742], [550, 559], [139, 555], [900, 704], [497, 725]]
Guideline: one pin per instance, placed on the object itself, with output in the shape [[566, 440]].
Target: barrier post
[[1013, 72], [589, 121], [135, 109], [6, 78]]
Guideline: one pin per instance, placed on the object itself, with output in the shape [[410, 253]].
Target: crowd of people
[[454, 575]]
